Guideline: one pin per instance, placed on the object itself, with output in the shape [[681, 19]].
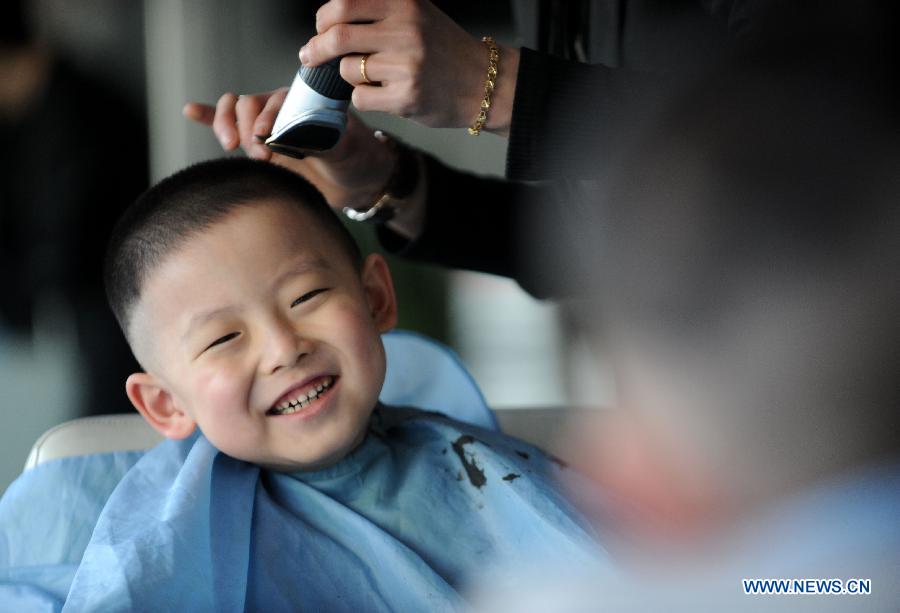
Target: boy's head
[[252, 312]]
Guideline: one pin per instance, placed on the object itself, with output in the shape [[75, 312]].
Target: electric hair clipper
[[314, 114]]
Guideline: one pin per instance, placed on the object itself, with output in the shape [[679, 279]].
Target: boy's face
[[258, 313]]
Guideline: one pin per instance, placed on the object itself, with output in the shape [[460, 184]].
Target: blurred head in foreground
[[749, 293]]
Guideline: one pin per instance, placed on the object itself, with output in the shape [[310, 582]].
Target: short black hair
[[193, 200]]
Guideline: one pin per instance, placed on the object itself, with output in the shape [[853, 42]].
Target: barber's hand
[[353, 173], [243, 121], [421, 64]]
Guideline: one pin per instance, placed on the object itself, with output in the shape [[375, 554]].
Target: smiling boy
[[263, 330], [285, 484]]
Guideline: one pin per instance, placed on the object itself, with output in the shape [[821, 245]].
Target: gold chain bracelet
[[489, 84]]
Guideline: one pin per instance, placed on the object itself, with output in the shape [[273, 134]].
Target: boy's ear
[[379, 289], [156, 405]]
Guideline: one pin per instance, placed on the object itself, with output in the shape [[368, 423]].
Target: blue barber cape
[[418, 512]]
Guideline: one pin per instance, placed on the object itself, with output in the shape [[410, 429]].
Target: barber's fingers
[[220, 118], [386, 69], [343, 39], [248, 109], [394, 99], [390, 88], [353, 11], [224, 122], [199, 112], [262, 127], [240, 120], [375, 70]]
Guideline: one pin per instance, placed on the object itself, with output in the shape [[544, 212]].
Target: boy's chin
[[324, 460]]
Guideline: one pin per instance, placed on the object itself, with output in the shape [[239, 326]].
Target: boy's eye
[[308, 296], [223, 339]]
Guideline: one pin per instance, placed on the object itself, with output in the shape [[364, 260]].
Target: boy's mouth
[[299, 399]]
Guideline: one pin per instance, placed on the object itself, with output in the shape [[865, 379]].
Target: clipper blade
[[309, 121]]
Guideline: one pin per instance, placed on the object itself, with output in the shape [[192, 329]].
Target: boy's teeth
[[304, 399]]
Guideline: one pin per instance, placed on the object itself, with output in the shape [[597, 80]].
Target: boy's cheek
[[367, 350], [219, 389], [349, 328]]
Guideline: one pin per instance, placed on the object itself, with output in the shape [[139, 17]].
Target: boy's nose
[[285, 346]]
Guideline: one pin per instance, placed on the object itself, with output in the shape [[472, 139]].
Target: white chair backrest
[[96, 434]]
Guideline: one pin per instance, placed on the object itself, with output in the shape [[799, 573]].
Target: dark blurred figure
[[745, 261], [72, 155]]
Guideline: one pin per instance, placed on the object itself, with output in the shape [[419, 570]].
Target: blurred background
[[90, 113]]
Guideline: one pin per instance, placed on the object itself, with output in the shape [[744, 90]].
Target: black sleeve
[[568, 117], [484, 224]]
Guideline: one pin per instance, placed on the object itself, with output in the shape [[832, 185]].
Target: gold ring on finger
[[362, 69]]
